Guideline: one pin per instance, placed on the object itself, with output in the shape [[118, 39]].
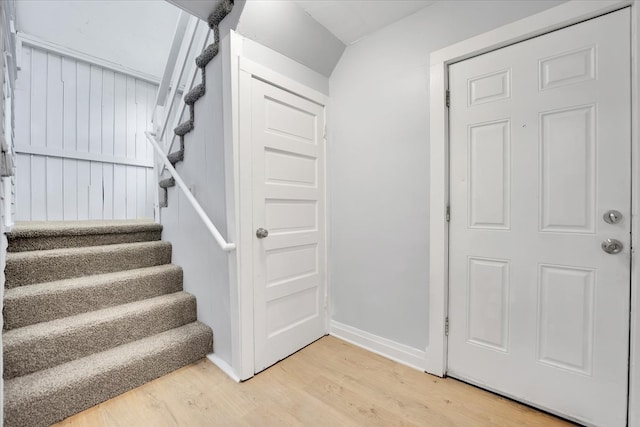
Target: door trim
[[243, 351], [558, 17]]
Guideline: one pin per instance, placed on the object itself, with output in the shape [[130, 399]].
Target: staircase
[[222, 9], [91, 310]]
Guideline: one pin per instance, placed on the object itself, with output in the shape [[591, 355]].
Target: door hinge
[[447, 215], [446, 326], [448, 98], [325, 133]]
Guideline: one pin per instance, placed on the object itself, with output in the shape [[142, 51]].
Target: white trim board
[[223, 366], [634, 350], [384, 347], [92, 157], [558, 17], [39, 43]]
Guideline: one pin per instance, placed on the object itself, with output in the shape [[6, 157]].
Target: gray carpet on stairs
[[25, 268], [42, 302], [44, 345], [84, 322], [222, 9], [43, 235], [45, 397]]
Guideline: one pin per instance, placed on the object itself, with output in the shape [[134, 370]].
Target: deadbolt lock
[[612, 217]]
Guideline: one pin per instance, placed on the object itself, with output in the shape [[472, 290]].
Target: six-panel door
[[540, 151]]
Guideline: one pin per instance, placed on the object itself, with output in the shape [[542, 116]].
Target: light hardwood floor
[[329, 383]]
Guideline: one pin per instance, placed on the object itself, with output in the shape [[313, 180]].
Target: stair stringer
[[203, 169], [197, 92]]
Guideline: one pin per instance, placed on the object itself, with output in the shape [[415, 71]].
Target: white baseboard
[[397, 352], [224, 366]]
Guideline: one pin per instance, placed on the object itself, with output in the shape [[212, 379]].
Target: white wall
[[133, 33], [281, 64], [82, 153], [378, 158], [284, 27], [205, 265]]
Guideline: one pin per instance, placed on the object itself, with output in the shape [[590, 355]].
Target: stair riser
[[57, 242], [52, 265], [25, 356], [23, 310], [57, 403]]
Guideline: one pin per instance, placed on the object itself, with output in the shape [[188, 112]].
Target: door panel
[[540, 150], [289, 192]]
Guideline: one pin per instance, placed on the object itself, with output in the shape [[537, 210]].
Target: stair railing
[[194, 203], [190, 38]]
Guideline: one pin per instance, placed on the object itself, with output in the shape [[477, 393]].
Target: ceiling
[[113, 30], [351, 20], [199, 8], [348, 20]]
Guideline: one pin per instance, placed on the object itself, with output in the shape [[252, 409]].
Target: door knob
[[612, 246], [261, 233], [612, 217]]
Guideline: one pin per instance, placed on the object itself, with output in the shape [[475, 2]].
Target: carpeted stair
[[222, 9], [91, 310]]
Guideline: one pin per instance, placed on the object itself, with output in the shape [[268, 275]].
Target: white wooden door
[[289, 202], [540, 151]]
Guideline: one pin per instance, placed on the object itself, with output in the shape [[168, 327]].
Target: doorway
[[540, 202], [285, 131]]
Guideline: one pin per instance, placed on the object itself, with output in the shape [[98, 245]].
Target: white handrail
[[201, 213], [178, 36]]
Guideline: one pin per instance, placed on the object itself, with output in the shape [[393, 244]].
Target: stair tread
[[44, 345], [11, 256], [53, 394], [83, 320], [99, 361], [43, 302], [221, 10], [184, 128], [167, 182], [175, 157], [194, 94], [207, 55], [30, 229], [29, 267], [83, 282]]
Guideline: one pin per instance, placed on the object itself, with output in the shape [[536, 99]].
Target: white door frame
[[558, 17], [243, 357]]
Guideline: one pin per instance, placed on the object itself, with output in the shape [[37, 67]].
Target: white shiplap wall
[[80, 144], [7, 184]]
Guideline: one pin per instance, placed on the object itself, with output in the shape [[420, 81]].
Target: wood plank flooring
[[329, 383]]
